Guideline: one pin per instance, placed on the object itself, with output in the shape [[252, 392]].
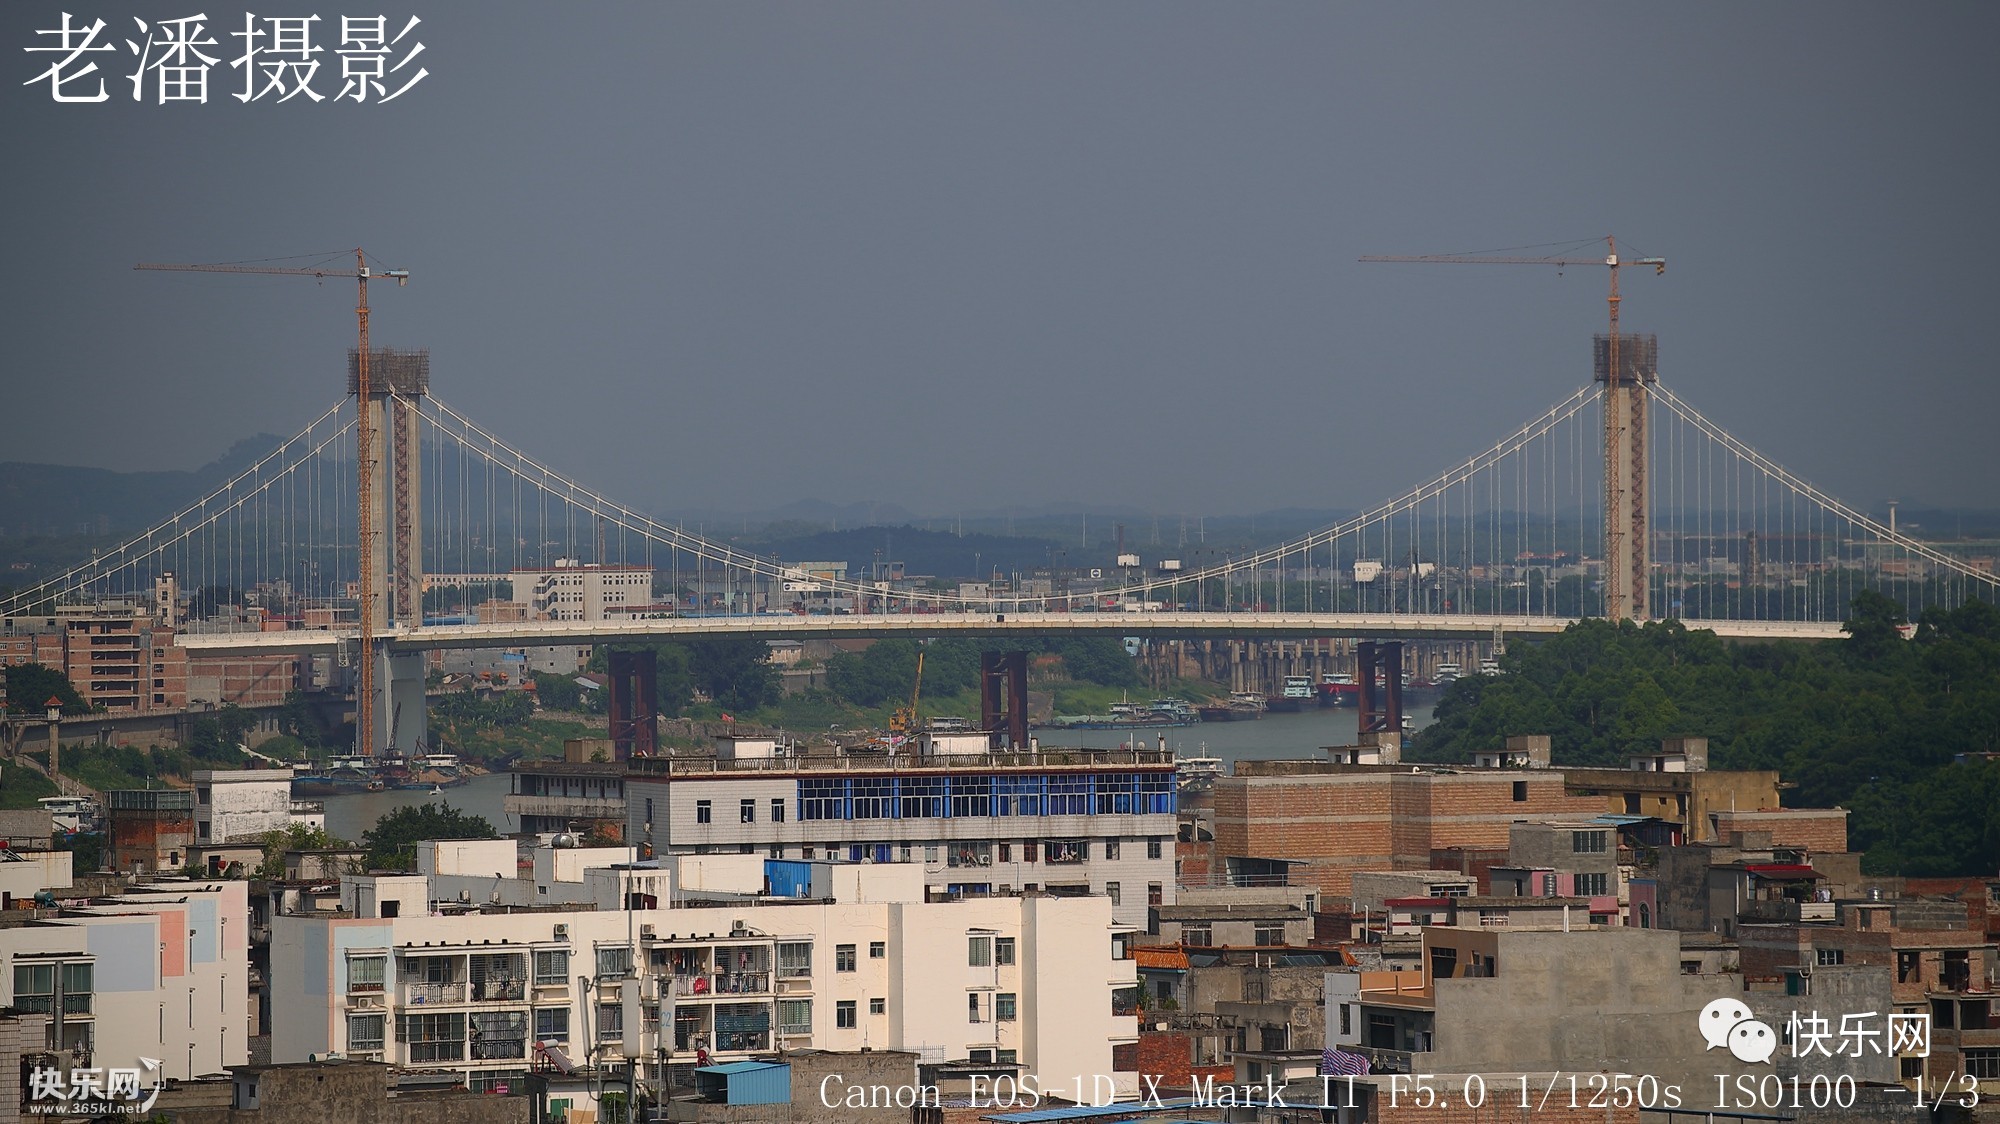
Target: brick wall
[[1167, 1056], [1339, 823], [1811, 829]]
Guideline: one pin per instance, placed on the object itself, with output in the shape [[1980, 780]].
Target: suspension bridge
[[1511, 542]]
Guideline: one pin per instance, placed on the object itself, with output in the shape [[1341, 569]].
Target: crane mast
[[365, 463], [1626, 376]]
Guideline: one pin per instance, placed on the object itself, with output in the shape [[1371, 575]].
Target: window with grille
[[552, 1024], [878, 949], [1199, 936], [843, 958], [1003, 1007], [777, 810], [614, 962], [433, 1038], [877, 1006], [1269, 934], [1587, 842], [795, 960], [795, 1016], [1003, 950], [1066, 850], [364, 1032], [1155, 848], [1983, 1063], [979, 952], [610, 1022], [552, 966], [704, 812], [364, 973], [844, 1014], [499, 1034], [1111, 848]]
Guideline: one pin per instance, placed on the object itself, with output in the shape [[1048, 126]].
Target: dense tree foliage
[[736, 673], [217, 737], [563, 692], [392, 842], [1888, 728], [299, 719], [30, 686], [293, 837]]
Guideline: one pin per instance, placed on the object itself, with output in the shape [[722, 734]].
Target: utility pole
[[370, 619], [1626, 365]]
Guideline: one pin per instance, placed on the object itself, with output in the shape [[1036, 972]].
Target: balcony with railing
[[424, 994], [742, 983], [1785, 910]]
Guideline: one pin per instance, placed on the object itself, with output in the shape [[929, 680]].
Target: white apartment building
[[1006, 981], [241, 804], [1068, 823], [575, 591], [161, 972]]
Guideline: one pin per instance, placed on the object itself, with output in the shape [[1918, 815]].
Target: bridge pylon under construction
[[393, 542]]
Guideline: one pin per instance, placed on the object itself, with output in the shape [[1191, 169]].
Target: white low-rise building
[[1067, 822], [242, 804], [161, 972], [1008, 981]]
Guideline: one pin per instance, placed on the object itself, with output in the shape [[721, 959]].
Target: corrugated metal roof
[[1173, 958]]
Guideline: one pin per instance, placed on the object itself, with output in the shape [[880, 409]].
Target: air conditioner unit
[[645, 930], [562, 932]]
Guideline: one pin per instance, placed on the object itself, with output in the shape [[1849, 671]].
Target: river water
[[1273, 736]]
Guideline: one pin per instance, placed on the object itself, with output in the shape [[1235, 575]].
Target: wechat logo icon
[[1727, 1022]]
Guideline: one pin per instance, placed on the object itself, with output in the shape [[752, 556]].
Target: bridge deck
[[790, 626]]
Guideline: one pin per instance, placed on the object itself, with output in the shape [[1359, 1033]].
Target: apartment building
[[123, 657], [161, 971], [577, 591], [1318, 824], [1024, 981], [1068, 822]]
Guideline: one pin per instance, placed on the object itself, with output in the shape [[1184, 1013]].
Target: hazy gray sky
[[958, 256]]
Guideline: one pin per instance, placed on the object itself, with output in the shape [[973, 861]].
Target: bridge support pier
[[401, 712], [1381, 708], [634, 702], [1003, 698]]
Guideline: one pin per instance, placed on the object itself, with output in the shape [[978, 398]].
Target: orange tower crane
[[1627, 559], [364, 696]]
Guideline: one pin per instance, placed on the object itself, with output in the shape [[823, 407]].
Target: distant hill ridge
[[53, 499]]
